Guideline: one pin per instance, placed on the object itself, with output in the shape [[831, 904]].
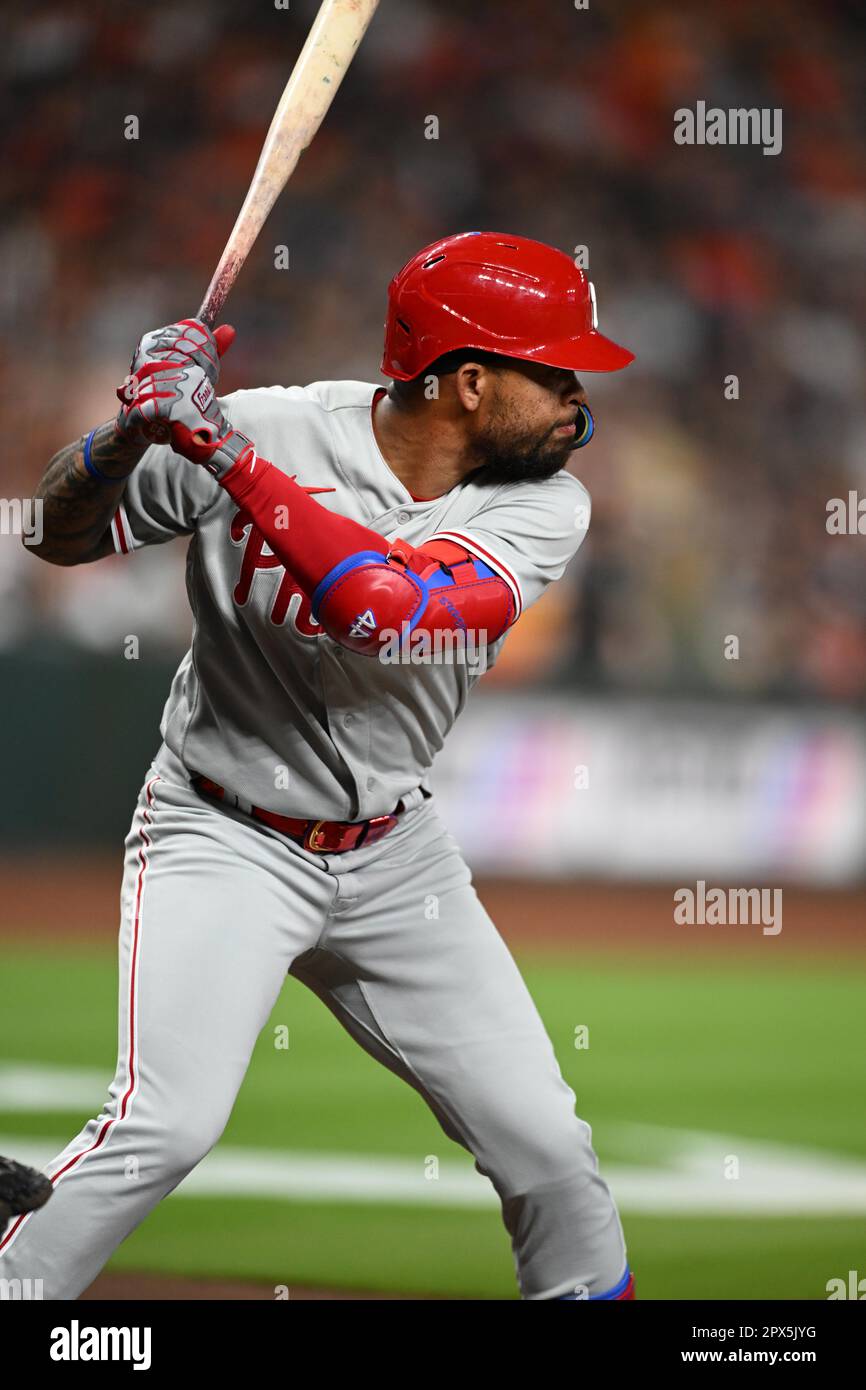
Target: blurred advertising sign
[[550, 786]]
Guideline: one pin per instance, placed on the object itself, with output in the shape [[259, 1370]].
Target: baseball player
[[345, 540]]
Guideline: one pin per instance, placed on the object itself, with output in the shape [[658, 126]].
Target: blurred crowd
[[711, 262]]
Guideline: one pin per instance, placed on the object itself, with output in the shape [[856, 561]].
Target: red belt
[[320, 836]]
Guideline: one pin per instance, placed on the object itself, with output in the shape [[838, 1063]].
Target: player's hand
[[187, 341], [178, 345], [174, 402]]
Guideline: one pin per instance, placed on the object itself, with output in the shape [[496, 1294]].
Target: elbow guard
[[371, 598]]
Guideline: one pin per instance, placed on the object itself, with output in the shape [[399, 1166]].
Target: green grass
[[768, 1053], [466, 1254]]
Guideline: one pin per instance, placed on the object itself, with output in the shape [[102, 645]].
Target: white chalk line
[[670, 1171]]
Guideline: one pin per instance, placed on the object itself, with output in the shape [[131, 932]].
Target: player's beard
[[507, 457]]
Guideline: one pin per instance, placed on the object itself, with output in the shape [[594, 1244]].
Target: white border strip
[[121, 533]]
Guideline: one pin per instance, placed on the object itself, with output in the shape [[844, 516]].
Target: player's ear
[[471, 382]]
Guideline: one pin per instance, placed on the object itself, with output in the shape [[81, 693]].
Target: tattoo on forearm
[[78, 508]]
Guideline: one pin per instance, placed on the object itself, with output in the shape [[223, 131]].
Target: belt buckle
[[311, 836]]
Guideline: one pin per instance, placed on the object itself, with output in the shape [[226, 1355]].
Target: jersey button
[[371, 782], [348, 718], [402, 518]]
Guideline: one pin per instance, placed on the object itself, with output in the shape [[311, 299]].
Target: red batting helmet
[[504, 294]]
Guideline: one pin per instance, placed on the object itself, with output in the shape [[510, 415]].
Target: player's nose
[[573, 393]]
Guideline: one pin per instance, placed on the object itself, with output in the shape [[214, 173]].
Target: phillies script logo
[[259, 556]]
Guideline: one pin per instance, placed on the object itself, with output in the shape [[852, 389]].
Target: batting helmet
[[503, 294]]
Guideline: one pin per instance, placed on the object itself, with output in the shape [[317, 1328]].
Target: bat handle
[[217, 291]]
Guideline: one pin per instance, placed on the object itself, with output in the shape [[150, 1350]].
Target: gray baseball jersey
[[264, 702], [216, 907]]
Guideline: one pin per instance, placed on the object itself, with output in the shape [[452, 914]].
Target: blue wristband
[[91, 466]]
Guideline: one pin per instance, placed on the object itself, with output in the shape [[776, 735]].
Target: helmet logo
[[594, 303]]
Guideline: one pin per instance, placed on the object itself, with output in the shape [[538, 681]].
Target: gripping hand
[[175, 404], [190, 340], [158, 373]]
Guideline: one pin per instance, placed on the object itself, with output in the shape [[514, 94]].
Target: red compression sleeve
[[305, 536], [311, 541]]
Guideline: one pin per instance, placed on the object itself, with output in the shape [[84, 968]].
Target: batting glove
[[187, 341], [174, 403]]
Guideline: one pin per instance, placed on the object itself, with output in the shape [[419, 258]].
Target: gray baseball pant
[[215, 909]]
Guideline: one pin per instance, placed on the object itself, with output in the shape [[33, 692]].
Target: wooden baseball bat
[[331, 45]]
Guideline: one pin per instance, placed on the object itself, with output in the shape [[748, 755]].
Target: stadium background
[[706, 1043]]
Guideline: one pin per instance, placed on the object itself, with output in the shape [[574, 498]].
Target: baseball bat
[[331, 45]]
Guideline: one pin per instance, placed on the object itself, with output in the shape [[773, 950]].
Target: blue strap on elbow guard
[[358, 561], [361, 613]]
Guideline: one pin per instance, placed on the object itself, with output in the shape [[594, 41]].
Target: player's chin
[[521, 470], [550, 460], [525, 460]]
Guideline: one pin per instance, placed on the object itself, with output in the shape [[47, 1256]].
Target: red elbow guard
[[370, 599]]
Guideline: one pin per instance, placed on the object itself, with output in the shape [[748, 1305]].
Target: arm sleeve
[[523, 535], [527, 533]]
